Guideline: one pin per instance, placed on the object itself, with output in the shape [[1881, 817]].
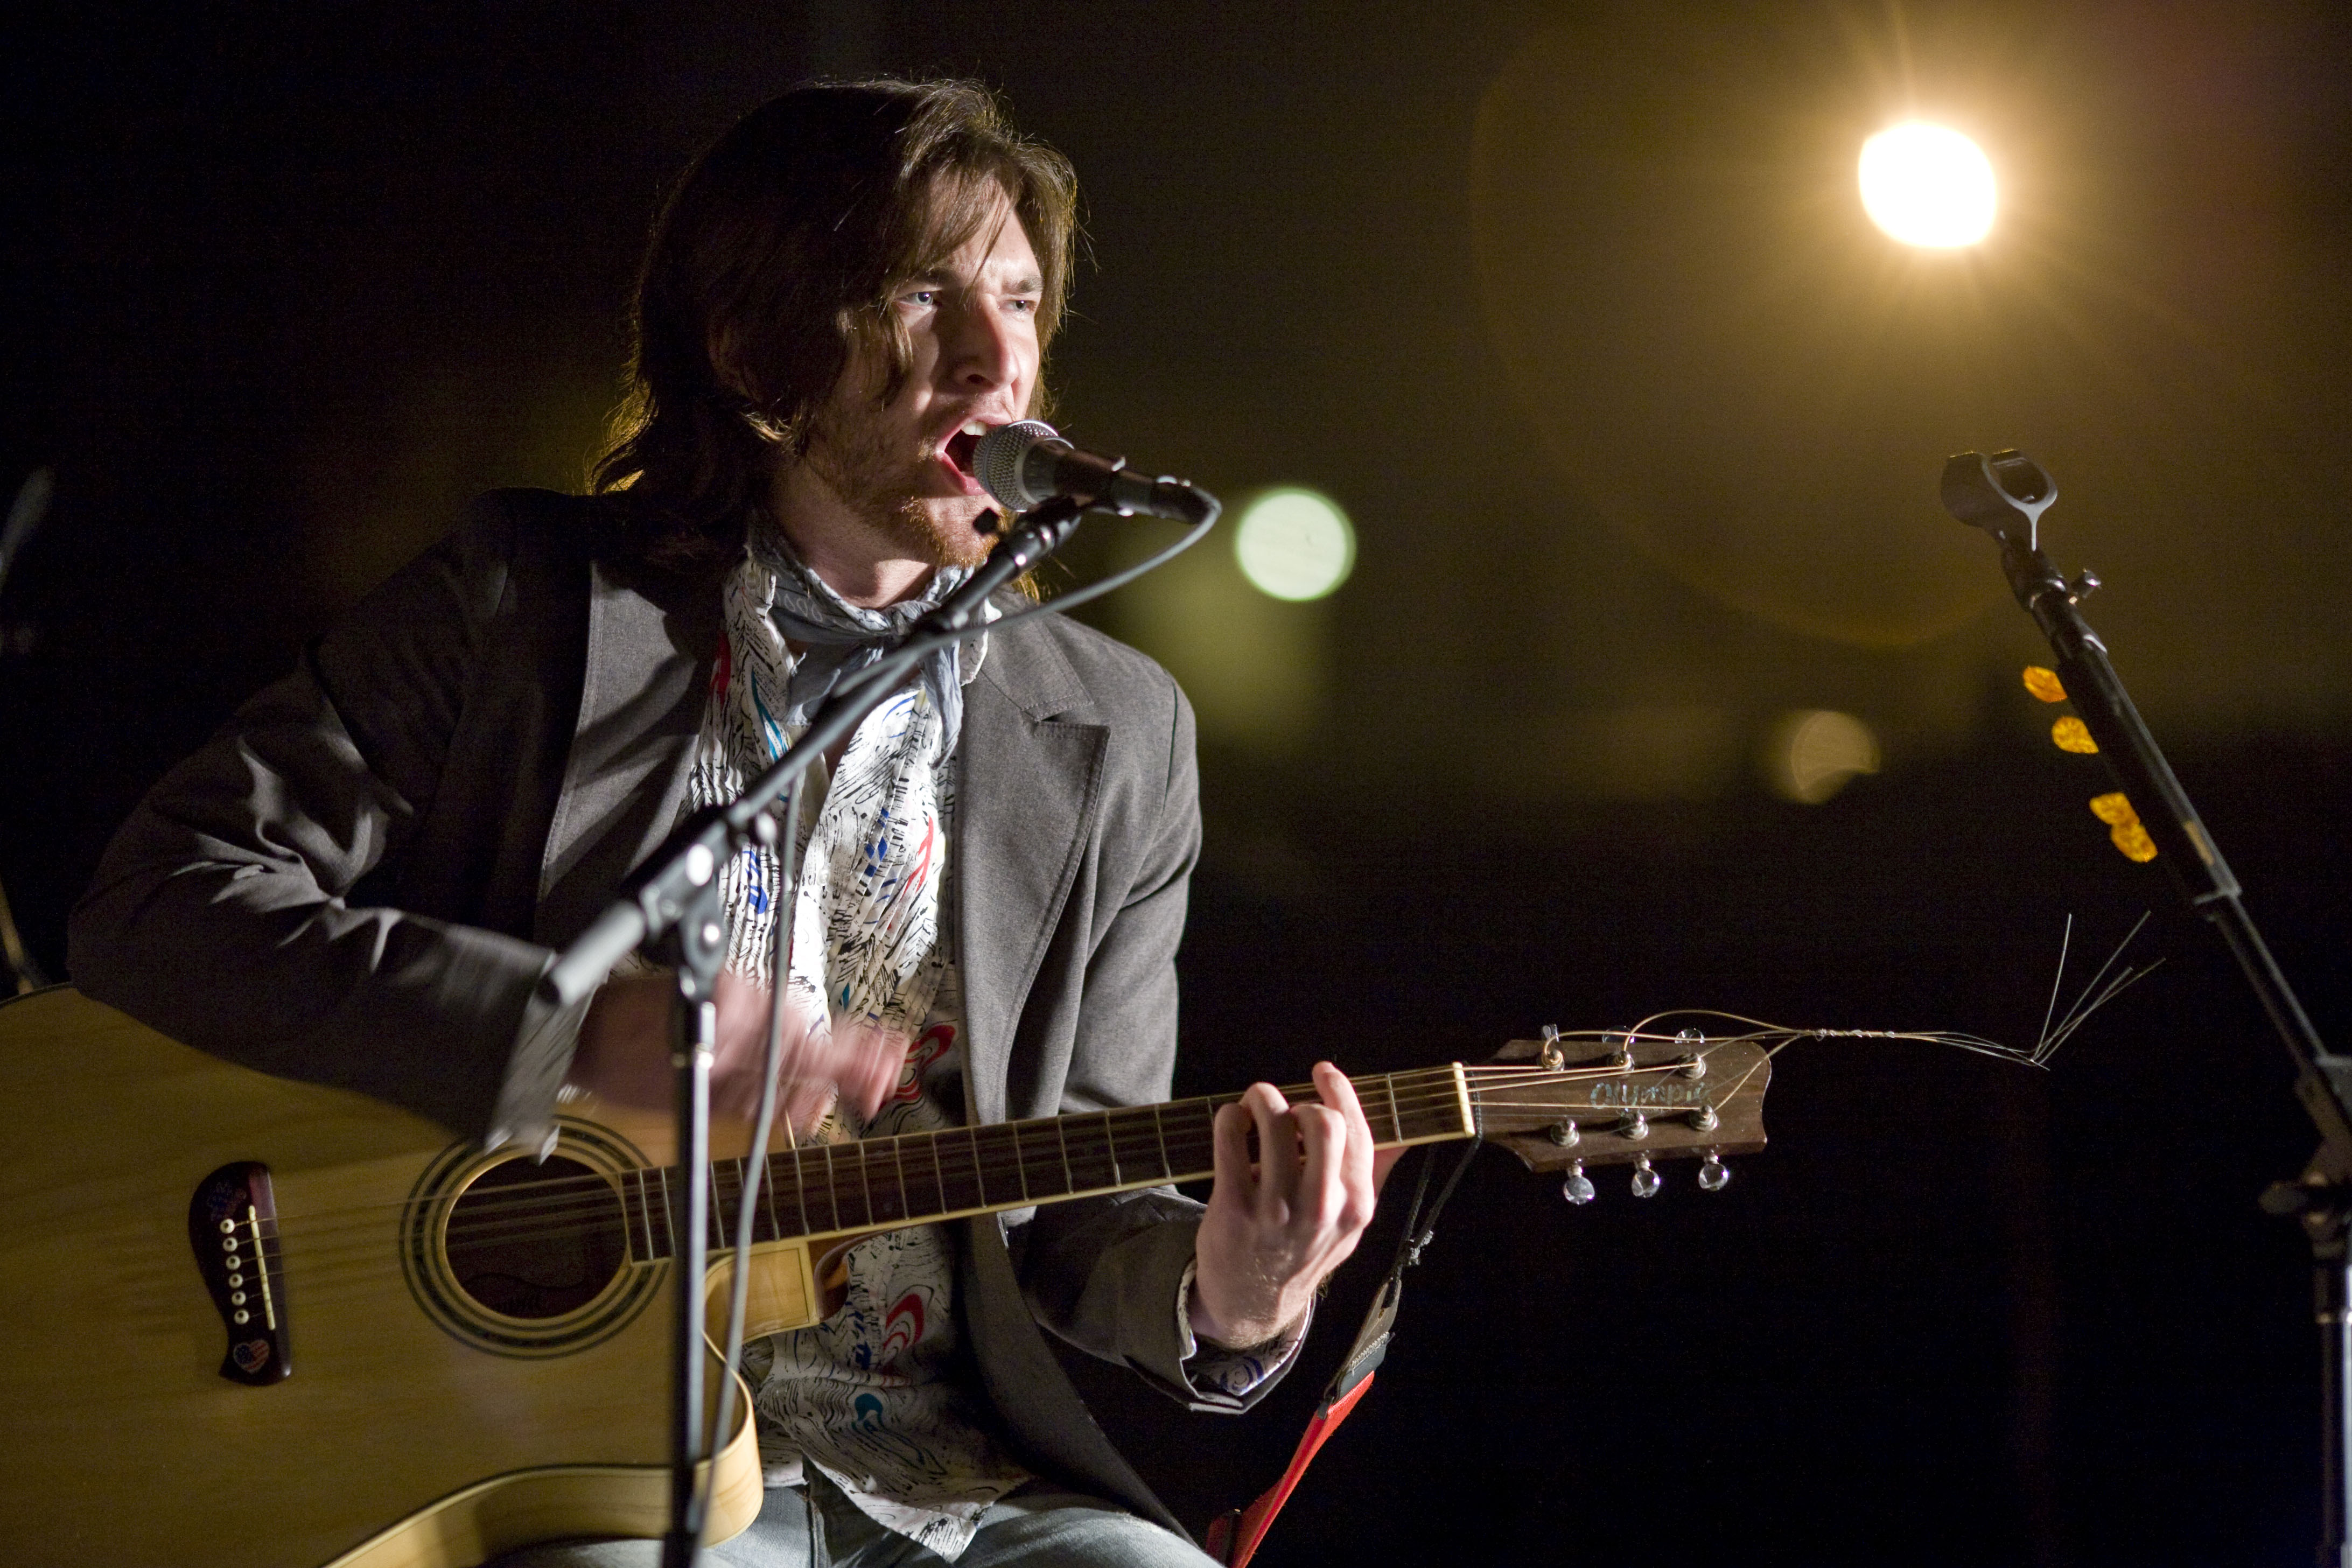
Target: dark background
[[1574, 310]]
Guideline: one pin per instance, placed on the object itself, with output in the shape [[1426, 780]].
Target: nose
[[990, 351]]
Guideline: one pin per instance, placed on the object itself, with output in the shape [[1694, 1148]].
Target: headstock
[[1625, 1098]]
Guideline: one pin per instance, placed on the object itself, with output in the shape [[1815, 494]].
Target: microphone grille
[[999, 458]]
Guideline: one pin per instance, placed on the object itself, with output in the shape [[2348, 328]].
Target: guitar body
[[412, 1425]]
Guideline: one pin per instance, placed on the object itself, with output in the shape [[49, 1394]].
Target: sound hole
[[537, 1241]]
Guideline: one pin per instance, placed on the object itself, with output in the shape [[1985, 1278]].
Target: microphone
[[1026, 462]]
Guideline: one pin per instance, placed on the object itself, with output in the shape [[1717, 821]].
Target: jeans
[[816, 1527]]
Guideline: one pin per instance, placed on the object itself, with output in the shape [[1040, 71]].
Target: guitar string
[[997, 1156], [1003, 1156], [1001, 1167], [1426, 1088], [318, 1265], [605, 1205], [991, 1133]]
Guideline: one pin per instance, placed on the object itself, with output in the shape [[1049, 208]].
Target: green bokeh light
[[1294, 544]]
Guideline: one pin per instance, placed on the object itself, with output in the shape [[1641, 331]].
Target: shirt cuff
[[525, 1112], [1212, 1371]]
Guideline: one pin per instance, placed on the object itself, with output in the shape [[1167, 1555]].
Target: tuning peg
[[2085, 584], [1577, 1188], [1646, 1180], [1714, 1175]]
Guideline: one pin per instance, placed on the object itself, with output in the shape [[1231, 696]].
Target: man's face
[[901, 467]]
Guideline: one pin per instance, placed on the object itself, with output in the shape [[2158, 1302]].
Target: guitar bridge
[[233, 1226]]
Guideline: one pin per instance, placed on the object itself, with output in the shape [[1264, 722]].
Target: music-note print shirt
[[876, 1396]]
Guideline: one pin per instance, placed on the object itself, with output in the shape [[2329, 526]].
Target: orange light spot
[[2072, 735]]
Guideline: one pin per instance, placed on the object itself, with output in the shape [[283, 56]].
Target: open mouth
[[959, 449]]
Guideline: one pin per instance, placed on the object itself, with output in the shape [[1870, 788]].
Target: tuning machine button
[[1714, 1175], [1646, 1180], [1578, 1189]]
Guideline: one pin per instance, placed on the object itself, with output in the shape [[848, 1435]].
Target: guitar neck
[[915, 1178]]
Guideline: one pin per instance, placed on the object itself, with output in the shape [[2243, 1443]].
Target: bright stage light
[[1294, 544], [1928, 186]]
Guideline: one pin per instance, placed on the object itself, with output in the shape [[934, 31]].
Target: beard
[[853, 458]]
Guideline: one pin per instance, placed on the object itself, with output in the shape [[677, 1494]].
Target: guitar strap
[[1233, 1535]]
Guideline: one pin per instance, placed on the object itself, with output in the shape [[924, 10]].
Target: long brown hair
[[774, 258]]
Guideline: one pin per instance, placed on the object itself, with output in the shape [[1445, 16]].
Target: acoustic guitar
[[258, 1322]]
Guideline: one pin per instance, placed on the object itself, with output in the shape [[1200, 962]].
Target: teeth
[[974, 427]]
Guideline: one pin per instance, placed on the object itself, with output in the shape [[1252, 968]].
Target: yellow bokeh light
[[1811, 754], [1294, 544], [1927, 185]]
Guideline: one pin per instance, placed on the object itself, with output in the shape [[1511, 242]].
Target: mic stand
[[672, 902], [2005, 495]]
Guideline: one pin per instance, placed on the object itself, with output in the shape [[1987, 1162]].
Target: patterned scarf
[[866, 924]]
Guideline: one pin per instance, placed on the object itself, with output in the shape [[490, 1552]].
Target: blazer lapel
[[1028, 794], [650, 646]]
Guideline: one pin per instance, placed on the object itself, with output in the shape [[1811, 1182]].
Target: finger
[[1383, 1162], [1341, 1096], [1229, 1152], [868, 1064], [1322, 1182], [1277, 1143]]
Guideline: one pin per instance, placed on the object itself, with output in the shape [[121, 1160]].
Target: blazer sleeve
[[1108, 1274], [240, 907]]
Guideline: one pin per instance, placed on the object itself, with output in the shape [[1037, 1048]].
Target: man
[[363, 880]]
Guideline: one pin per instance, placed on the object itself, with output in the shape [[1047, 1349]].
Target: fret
[[1159, 1140], [799, 1191], [832, 1186], [645, 1213], [1062, 1141], [1441, 1115], [717, 1219], [1191, 1150], [669, 1216], [1110, 1147], [1135, 1143], [891, 1207], [776, 1230], [926, 1187], [1396, 1117], [1041, 1167], [959, 1188], [1087, 1158], [864, 1177], [1020, 1166]]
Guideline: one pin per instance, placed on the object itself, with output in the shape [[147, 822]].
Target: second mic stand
[[673, 904], [2006, 495]]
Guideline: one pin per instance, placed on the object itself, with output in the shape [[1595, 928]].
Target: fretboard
[[914, 1178]]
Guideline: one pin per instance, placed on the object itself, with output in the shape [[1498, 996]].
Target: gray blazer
[[360, 880]]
